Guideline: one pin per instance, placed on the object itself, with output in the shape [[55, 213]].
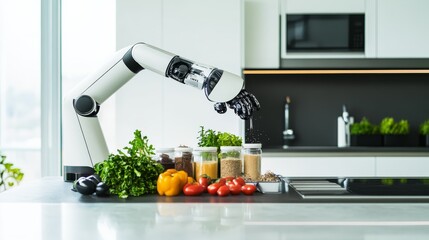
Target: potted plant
[[364, 133], [212, 138], [424, 133], [394, 133], [9, 175]]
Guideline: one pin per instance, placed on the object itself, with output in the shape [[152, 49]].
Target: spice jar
[[183, 160], [230, 162], [206, 162], [252, 160], [165, 157]]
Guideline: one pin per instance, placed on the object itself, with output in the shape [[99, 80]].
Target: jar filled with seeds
[[183, 160], [252, 160], [206, 162], [165, 156], [230, 161]]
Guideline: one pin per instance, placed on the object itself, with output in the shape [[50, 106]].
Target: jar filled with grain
[[206, 162], [230, 161], [252, 160], [165, 156], [183, 160]]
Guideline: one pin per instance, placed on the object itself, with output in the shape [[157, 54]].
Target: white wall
[[169, 113]]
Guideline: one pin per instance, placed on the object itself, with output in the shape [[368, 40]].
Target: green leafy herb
[[228, 139], [207, 138], [211, 138], [133, 173], [9, 175], [364, 127], [424, 128], [388, 126]]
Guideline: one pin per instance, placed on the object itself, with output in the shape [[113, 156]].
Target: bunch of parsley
[[131, 172]]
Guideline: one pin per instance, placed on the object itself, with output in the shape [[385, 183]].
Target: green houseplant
[[394, 133], [9, 175], [211, 138], [364, 133], [424, 133]]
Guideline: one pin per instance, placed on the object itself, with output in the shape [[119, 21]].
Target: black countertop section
[[55, 190]]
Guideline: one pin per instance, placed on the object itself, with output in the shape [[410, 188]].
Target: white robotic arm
[[83, 142]]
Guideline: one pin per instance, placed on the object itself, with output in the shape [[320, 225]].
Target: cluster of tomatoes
[[221, 187]]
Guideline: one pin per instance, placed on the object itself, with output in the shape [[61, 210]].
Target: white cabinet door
[[402, 27], [320, 166], [402, 166], [261, 34]]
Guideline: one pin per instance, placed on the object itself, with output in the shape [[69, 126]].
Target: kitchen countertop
[[48, 209]]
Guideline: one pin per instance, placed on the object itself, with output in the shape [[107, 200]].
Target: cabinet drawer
[[320, 166], [402, 166]]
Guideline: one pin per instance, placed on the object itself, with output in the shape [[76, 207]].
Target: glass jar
[[183, 160], [230, 161], [206, 162], [165, 156], [252, 160]]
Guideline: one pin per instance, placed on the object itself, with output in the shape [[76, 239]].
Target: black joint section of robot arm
[[131, 63], [86, 106], [178, 69]]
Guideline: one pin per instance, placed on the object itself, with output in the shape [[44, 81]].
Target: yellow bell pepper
[[171, 182]]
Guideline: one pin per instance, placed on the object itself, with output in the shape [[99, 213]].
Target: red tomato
[[221, 181], [229, 178], [223, 191], [235, 189], [229, 183], [239, 181], [204, 181], [212, 188], [248, 189], [193, 189]]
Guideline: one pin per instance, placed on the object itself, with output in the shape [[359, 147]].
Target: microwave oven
[[316, 33]]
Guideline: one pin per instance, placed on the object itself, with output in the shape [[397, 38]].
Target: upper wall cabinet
[[402, 29], [394, 29], [261, 34]]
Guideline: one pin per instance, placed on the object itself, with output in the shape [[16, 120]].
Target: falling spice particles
[[230, 167]]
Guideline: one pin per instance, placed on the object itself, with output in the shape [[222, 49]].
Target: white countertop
[[70, 220]]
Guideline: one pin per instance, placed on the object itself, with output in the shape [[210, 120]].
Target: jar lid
[[230, 148], [252, 145], [206, 149], [183, 149], [167, 149]]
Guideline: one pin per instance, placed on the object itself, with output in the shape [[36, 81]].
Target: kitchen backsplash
[[317, 100]]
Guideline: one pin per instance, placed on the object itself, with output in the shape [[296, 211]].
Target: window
[[20, 136]]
